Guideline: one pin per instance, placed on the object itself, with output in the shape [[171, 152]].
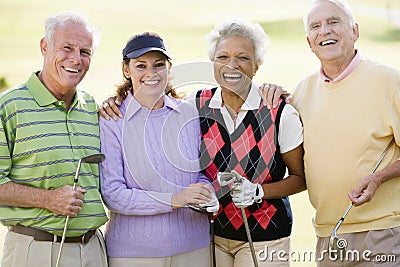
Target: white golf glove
[[244, 193], [212, 206]]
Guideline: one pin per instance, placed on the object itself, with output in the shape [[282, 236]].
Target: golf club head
[[94, 158], [337, 248], [91, 159]]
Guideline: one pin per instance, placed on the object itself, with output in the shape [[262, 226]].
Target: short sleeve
[[290, 133]]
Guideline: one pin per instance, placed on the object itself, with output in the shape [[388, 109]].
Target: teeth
[[71, 70], [150, 82], [233, 75], [328, 42]]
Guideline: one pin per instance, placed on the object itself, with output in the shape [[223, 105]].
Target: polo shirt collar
[[252, 101], [43, 96]]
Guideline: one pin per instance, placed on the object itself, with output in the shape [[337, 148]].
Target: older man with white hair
[[47, 125], [350, 112]]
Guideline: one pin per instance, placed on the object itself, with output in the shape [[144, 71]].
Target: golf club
[[91, 159], [229, 179], [203, 209], [213, 255], [335, 247]]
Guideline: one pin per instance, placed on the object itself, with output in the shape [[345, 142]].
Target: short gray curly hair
[[239, 27]]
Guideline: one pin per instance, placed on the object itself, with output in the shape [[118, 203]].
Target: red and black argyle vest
[[253, 151]]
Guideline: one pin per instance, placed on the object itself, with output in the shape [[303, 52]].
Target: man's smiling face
[[330, 34], [67, 58]]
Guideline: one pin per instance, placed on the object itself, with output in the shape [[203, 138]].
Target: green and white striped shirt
[[40, 146]]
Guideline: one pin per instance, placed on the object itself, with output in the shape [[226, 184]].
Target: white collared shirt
[[290, 133]]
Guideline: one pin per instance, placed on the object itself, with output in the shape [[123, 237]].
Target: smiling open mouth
[[71, 70], [328, 42], [232, 77], [151, 82]]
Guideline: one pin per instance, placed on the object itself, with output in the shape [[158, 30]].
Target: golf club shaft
[[334, 232], [94, 158], [62, 241], [372, 171], [64, 234], [247, 228], [343, 217], [214, 263], [382, 156]]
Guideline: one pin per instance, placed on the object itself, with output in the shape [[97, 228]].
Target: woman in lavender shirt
[[151, 173]]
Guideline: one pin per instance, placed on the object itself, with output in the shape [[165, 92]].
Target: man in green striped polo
[[47, 125]]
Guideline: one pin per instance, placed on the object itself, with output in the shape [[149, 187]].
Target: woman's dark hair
[[126, 85]]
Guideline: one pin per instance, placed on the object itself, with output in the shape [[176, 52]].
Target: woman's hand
[[195, 194]]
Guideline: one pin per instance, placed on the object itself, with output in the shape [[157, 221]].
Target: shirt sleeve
[[5, 155], [290, 133], [118, 195], [394, 110]]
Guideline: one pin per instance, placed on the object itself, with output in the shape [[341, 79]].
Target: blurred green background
[[183, 25]]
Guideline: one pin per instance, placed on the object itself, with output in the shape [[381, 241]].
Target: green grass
[[288, 58]]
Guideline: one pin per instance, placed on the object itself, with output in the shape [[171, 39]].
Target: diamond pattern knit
[[253, 151]]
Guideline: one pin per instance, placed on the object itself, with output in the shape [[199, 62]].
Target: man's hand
[[65, 201], [110, 108], [244, 193], [366, 190], [270, 94]]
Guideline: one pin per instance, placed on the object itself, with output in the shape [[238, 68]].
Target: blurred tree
[[3, 83]]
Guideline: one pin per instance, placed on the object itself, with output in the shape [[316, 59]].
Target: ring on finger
[[105, 104]]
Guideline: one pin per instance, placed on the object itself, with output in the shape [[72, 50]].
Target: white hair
[[238, 27], [343, 5], [53, 22]]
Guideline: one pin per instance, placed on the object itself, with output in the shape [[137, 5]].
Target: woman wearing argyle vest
[[240, 134]]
